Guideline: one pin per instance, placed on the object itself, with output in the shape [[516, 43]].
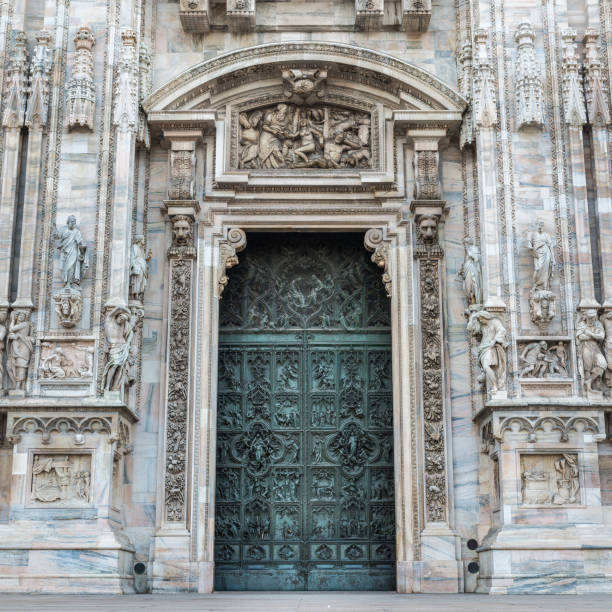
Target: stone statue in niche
[[538, 360], [61, 479], [291, 136], [119, 326], [19, 348], [492, 349], [304, 85], [139, 272], [542, 301], [591, 361], [74, 262], [470, 273]]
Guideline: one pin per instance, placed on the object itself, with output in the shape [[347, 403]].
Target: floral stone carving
[[63, 480], [291, 136]]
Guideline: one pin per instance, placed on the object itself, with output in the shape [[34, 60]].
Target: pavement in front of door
[[305, 602]]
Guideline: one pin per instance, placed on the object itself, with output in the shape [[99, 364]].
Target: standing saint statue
[[541, 246], [138, 268], [492, 349], [591, 361], [471, 273], [73, 249], [19, 349], [119, 328], [3, 317]]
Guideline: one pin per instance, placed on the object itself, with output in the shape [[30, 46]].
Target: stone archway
[[408, 113]]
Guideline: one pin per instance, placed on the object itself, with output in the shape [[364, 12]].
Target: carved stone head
[[182, 234], [71, 222], [428, 229]]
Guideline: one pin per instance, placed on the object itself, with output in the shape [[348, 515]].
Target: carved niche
[[60, 480], [550, 480], [286, 135]]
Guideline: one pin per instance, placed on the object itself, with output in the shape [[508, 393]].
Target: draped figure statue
[[541, 246], [73, 250]]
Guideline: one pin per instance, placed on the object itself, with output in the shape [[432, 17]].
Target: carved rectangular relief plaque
[[550, 479], [305, 137], [60, 479], [63, 361]]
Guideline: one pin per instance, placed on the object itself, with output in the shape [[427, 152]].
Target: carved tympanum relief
[[66, 360], [74, 262], [81, 90], [543, 359], [19, 347], [542, 301], [492, 349], [550, 480], [291, 136], [61, 480]]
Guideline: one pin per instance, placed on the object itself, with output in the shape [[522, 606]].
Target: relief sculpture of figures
[[542, 301], [139, 264], [591, 361], [291, 136], [492, 349], [606, 321], [19, 348], [74, 262], [470, 273]]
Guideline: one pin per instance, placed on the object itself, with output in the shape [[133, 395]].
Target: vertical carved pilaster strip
[[36, 121], [429, 255], [12, 122], [181, 254], [81, 91]]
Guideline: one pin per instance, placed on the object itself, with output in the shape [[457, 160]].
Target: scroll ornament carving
[[466, 73], [19, 347], [291, 136], [81, 90], [484, 97], [542, 301], [74, 262], [120, 326], [427, 179], [470, 274], [375, 242], [528, 79], [433, 391], [143, 136], [302, 86], [596, 89], [40, 71], [228, 249], [139, 268], [61, 479], [491, 351], [573, 97], [126, 84], [182, 175], [550, 479], [543, 359], [16, 87]]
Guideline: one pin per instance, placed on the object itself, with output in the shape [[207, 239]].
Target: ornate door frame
[[410, 113]]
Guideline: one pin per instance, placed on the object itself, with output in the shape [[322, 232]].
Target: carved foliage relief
[[292, 136]]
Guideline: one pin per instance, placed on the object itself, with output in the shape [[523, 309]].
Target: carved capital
[[81, 91], [228, 258], [416, 15], [16, 87], [379, 246]]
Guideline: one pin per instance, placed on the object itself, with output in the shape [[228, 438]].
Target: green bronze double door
[[304, 482]]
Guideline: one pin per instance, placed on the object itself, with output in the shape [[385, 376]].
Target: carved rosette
[[429, 257], [376, 243], [228, 258], [181, 255]]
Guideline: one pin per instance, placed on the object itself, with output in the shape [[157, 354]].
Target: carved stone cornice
[[416, 15], [573, 96], [375, 242], [40, 71], [16, 87], [81, 90], [228, 258], [596, 88], [528, 79]]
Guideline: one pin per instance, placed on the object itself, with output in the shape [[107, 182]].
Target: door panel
[[304, 496]]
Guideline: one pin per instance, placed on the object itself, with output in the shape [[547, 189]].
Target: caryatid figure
[[541, 246], [138, 268], [19, 348], [470, 272], [73, 249], [492, 349], [591, 361]]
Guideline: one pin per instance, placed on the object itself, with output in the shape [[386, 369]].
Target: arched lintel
[[191, 83]]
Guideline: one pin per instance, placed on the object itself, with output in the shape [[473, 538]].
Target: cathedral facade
[[306, 295]]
